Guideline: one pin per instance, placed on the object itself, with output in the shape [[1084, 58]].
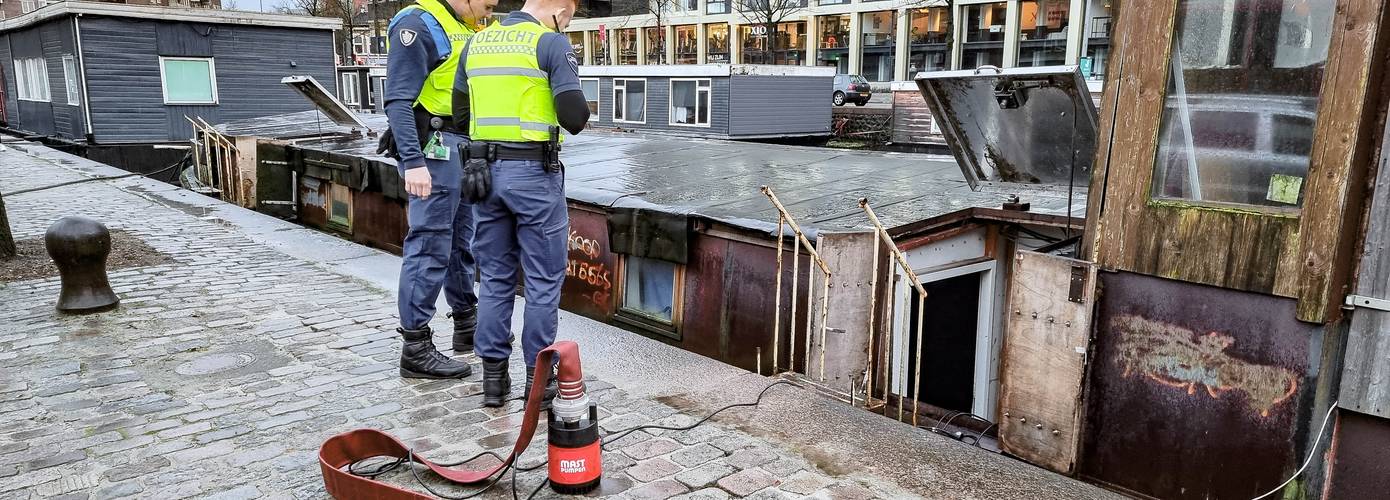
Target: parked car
[[851, 88]]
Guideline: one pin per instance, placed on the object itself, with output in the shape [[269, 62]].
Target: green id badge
[[434, 149]]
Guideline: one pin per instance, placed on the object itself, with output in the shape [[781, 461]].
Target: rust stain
[[1180, 357]]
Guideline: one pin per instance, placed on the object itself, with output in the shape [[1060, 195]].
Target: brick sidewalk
[[222, 372]]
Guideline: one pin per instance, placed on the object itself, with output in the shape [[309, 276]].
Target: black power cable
[[104, 178], [514, 468]]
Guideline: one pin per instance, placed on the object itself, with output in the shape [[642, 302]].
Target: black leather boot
[[465, 324], [497, 383], [550, 388], [419, 358]]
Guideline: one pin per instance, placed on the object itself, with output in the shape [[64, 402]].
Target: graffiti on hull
[[586, 264], [1182, 358]]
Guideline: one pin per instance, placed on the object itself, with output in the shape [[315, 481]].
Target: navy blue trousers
[[524, 223], [437, 252]]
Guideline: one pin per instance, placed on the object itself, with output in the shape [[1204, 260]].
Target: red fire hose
[[353, 446]]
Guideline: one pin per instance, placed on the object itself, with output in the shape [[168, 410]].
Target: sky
[[254, 5]]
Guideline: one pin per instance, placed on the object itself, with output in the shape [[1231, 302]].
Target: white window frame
[[70, 77], [31, 78], [598, 97], [353, 89], [212, 75], [708, 102], [646, 90], [27, 6]]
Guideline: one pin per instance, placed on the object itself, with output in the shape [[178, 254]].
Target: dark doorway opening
[[948, 347]]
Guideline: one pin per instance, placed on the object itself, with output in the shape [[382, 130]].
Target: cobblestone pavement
[[221, 373]]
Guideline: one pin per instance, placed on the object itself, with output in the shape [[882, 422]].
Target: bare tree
[[341, 9], [7, 249], [659, 10], [767, 14]]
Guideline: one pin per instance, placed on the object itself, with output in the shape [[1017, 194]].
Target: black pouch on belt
[[477, 176]]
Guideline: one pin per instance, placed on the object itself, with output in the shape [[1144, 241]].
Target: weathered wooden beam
[[7, 248], [1341, 156]]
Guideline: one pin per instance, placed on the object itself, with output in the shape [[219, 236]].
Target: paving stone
[[245, 492], [285, 419], [657, 490], [772, 494], [68, 484], [850, 491], [748, 458], [705, 494], [224, 433], [651, 448], [746, 482], [705, 475], [137, 469], [190, 455], [783, 467], [122, 445], [119, 490], [185, 430], [731, 442], [254, 455], [54, 460], [805, 483], [696, 455], [653, 469]]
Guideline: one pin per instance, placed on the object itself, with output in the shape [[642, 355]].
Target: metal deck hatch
[[1016, 125]]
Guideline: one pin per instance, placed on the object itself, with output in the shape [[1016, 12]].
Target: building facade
[[16, 8], [883, 40]]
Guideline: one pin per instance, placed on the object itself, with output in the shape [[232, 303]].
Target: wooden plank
[[1145, 28], [1340, 156], [1045, 348], [850, 257], [1105, 133], [1366, 365]]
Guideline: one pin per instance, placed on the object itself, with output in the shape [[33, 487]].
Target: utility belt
[[547, 153], [426, 123]]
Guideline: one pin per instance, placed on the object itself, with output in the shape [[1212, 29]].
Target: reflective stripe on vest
[[509, 95], [437, 94]]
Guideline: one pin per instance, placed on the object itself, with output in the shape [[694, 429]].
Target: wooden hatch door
[[1046, 339]]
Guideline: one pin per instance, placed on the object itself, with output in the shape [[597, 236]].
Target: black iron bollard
[[79, 247]]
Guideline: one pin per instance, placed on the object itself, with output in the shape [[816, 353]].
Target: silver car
[[851, 88]]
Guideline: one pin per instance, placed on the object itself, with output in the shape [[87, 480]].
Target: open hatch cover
[[1019, 125]]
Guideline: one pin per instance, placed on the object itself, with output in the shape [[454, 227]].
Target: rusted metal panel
[[313, 202], [378, 221], [750, 298], [1045, 347], [1359, 468], [591, 276], [1196, 391], [704, 325]]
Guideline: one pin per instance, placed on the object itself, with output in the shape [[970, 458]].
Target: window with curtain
[[690, 101], [649, 288], [629, 100], [1243, 87], [31, 75], [70, 77], [350, 90], [188, 80]]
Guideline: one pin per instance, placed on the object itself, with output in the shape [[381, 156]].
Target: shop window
[[717, 43], [350, 90], [785, 46], [1237, 65], [833, 42], [930, 38], [1097, 48], [878, 30], [654, 43], [32, 77], [627, 45], [600, 48], [577, 44], [1042, 32], [70, 77], [687, 44], [590, 88], [629, 100], [649, 289], [983, 43], [188, 80], [690, 102]]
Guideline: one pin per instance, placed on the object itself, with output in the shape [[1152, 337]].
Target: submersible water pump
[[576, 452]]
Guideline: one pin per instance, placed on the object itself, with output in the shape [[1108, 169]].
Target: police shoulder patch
[[574, 63], [408, 37]]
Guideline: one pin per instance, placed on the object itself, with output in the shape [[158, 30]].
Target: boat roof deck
[[720, 179]]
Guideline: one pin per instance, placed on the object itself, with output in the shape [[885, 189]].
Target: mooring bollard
[[79, 247]]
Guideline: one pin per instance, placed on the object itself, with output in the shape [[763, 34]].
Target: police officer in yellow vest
[[517, 86], [425, 40]]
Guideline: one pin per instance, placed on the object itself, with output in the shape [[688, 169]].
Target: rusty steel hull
[[1196, 391]]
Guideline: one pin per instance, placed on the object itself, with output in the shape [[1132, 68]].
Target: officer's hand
[[417, 182]]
